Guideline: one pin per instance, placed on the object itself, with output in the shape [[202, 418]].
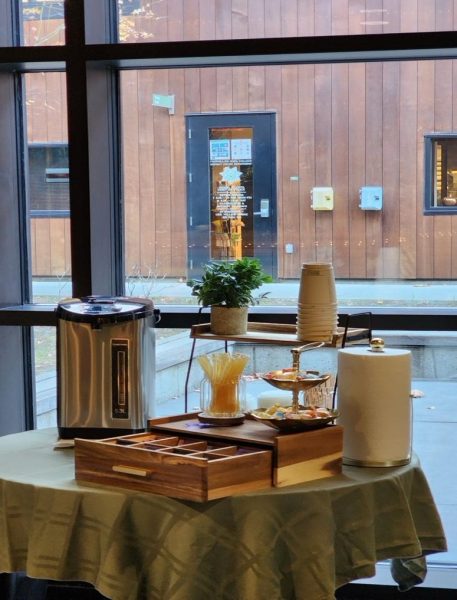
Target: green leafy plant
[[229, 283]]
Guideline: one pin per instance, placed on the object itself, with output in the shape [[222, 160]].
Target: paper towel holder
[[365, 451]]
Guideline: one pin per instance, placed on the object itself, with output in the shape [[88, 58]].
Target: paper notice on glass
[[219, 150], [241, 150]]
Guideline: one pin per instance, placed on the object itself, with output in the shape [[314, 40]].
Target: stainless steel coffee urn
[[105, 366]]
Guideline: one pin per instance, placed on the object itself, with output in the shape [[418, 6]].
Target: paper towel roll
[[375, 406]]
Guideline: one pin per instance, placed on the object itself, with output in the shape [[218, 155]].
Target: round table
[[297, 542]]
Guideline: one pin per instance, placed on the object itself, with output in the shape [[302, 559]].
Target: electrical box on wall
[[370, 197], [322, 198]]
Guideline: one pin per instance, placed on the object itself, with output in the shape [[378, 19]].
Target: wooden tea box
[[178, 457]]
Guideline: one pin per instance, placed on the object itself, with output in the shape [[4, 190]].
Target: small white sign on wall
[[164, 101]]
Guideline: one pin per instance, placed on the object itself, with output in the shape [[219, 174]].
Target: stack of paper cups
[[374, 403], [317, 314]]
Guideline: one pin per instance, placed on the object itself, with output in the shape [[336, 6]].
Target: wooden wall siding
[[343, 126]]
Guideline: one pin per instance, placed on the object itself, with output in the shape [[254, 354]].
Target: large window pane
[[49, 221], [48, 190], [175, 20], [358, 129], [351, 128]]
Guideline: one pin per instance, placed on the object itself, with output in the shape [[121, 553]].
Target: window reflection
[[138, 20], [42, 22], [168, 20]]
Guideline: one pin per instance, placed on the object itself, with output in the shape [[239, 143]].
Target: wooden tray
[[276, 333]]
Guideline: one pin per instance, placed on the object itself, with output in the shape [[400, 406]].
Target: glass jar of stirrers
[[223, 390]]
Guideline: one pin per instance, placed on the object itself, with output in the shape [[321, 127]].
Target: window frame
[[429, 174]]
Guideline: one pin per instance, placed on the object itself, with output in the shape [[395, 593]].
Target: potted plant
[[227, 286]]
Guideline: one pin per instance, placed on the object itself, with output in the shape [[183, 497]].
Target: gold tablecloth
[[295, 543]]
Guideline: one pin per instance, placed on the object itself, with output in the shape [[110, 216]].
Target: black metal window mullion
[[78, 154], [94, 154]]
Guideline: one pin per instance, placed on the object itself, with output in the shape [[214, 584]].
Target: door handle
[[264, 211]]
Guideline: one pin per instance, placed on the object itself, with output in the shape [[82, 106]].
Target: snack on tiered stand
[[296, 417]]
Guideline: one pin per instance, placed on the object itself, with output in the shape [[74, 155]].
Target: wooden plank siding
[[341, 125]]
